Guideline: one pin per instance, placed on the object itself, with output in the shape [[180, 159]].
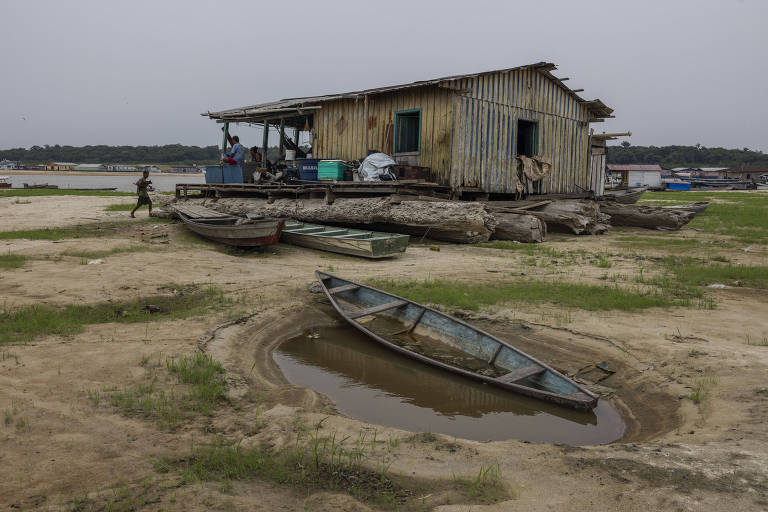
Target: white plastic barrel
[[290, 155]]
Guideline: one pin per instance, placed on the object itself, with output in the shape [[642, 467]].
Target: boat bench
[[520, 374], [377, 309]]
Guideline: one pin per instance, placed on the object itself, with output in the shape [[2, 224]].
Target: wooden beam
[[520, 374], [377, 309], [343, 288], [264, 143], [282, 136]]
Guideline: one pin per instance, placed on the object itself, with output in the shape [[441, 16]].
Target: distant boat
[[5, 182], [439, 340], [625, 196], [41, 185], [355, 242], [692, 207]]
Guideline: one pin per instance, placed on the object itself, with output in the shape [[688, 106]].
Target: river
[[122, 182]]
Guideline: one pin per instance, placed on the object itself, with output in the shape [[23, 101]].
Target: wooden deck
[[329, 191]]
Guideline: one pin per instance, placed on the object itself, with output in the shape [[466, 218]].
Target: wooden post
[[224, 139], [265, 144], [282, 136], [365, 115]]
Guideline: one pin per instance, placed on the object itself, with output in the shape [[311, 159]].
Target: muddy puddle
[[372, 383]]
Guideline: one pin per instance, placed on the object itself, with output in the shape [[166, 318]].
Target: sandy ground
[[36, 212], [676, 455]]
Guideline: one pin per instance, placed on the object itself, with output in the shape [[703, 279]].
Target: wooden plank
[[344, 288], [520, 374], [377, 309]]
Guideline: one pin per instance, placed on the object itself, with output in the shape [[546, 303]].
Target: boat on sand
[[355, 242]]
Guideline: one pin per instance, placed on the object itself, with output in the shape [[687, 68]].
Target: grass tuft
[[94, 230], [25, 323], [471, 296], [11, 261]]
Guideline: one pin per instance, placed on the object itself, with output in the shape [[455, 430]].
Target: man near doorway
[[143, 186]]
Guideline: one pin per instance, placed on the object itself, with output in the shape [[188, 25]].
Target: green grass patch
[[120, 207], [471, 296], [10, 261], [739, 215], [692, 272], [357, 465], [94, 230], [200, 386], [25, 323], [22, 192]]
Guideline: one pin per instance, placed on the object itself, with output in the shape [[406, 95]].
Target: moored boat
[[445, 342], [236, 231], [692, 207], [355, 242], [625, 196], [5, 182]]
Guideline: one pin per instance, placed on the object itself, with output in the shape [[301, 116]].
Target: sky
[[139, 72]]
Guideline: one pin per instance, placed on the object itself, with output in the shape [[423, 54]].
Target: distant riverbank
[[120, 181], [98, 173]]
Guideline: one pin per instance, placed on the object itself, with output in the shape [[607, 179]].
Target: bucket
[[290, 155]]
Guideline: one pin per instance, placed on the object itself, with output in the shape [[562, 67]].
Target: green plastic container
[[330, 170]]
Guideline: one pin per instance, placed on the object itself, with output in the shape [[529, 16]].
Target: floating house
[[121, 167], [467, 129], [745, 172], [60, 166], [633, 175]]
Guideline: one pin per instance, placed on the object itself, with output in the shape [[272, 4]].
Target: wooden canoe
[[625, 196], [445, 342], [356, 242], [692, 207], [236, 231]]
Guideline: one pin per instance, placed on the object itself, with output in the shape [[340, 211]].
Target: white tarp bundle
[[377, 167]]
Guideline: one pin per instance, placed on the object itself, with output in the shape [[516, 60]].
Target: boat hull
[[255, 234], [368, 244], [548, 385], [629, 196]]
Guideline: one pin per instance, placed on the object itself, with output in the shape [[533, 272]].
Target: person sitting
[[237, 156], [255, 155]]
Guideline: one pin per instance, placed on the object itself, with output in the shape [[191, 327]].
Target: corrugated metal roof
[[633, 167], [306, 104]]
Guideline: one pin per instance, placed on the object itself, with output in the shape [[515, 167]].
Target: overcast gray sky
[[140, 72]]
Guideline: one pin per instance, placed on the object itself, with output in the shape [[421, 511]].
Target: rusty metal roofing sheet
[[305, 104]]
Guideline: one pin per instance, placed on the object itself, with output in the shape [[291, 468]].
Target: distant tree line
[[684, 156], [168, 154]]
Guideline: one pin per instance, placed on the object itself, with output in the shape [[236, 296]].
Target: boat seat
[[343, 288], [334, 232], [377, 309], [520, 374]]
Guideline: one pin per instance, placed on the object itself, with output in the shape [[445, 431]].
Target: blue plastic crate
[[307, 168], [213, 174]]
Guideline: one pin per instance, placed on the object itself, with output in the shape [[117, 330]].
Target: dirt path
[[60, 443]]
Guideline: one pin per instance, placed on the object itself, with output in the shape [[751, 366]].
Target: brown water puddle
[[374, 384]]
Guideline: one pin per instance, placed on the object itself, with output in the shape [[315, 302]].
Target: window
[[408, 131], [527, 137]]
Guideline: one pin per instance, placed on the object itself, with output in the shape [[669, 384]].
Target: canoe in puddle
[[445, 342], [355, 242]]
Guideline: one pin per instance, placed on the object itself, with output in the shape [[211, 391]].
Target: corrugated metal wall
[[486, 114], [468, 130], [340, 126]]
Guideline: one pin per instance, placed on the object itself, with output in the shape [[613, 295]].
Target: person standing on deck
[[143, 186], [237, 156]]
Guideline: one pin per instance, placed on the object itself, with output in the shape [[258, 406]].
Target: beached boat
[[440, 340], [625, 196], [41, 185], [5, 182], [692, 207], [237, 231], [356, 242]]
